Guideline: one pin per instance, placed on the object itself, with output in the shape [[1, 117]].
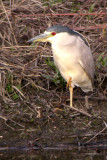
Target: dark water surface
[[58, 153]]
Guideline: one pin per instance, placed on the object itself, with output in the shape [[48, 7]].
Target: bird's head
[[58, 34], [52, 33]]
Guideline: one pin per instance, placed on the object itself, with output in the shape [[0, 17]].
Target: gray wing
[[86, 60]]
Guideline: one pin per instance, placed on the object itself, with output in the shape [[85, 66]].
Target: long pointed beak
[[41, 38]]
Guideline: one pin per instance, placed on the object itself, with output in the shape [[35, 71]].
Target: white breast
[[67, 60]]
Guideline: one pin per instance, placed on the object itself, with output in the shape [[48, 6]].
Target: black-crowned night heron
[[72, 56]]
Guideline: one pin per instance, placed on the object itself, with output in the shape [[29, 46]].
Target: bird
[[72, 56]]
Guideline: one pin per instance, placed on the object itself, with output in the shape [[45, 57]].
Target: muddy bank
[[53, 122]]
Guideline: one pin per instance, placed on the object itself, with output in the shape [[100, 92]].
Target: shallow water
[[52, 153], [58, 151]]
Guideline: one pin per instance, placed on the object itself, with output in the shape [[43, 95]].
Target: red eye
[[53, 33]]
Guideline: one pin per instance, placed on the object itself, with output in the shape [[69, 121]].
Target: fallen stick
[[79, 110]]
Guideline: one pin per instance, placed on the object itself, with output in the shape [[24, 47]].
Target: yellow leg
[[71, 96], [71, 91]]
